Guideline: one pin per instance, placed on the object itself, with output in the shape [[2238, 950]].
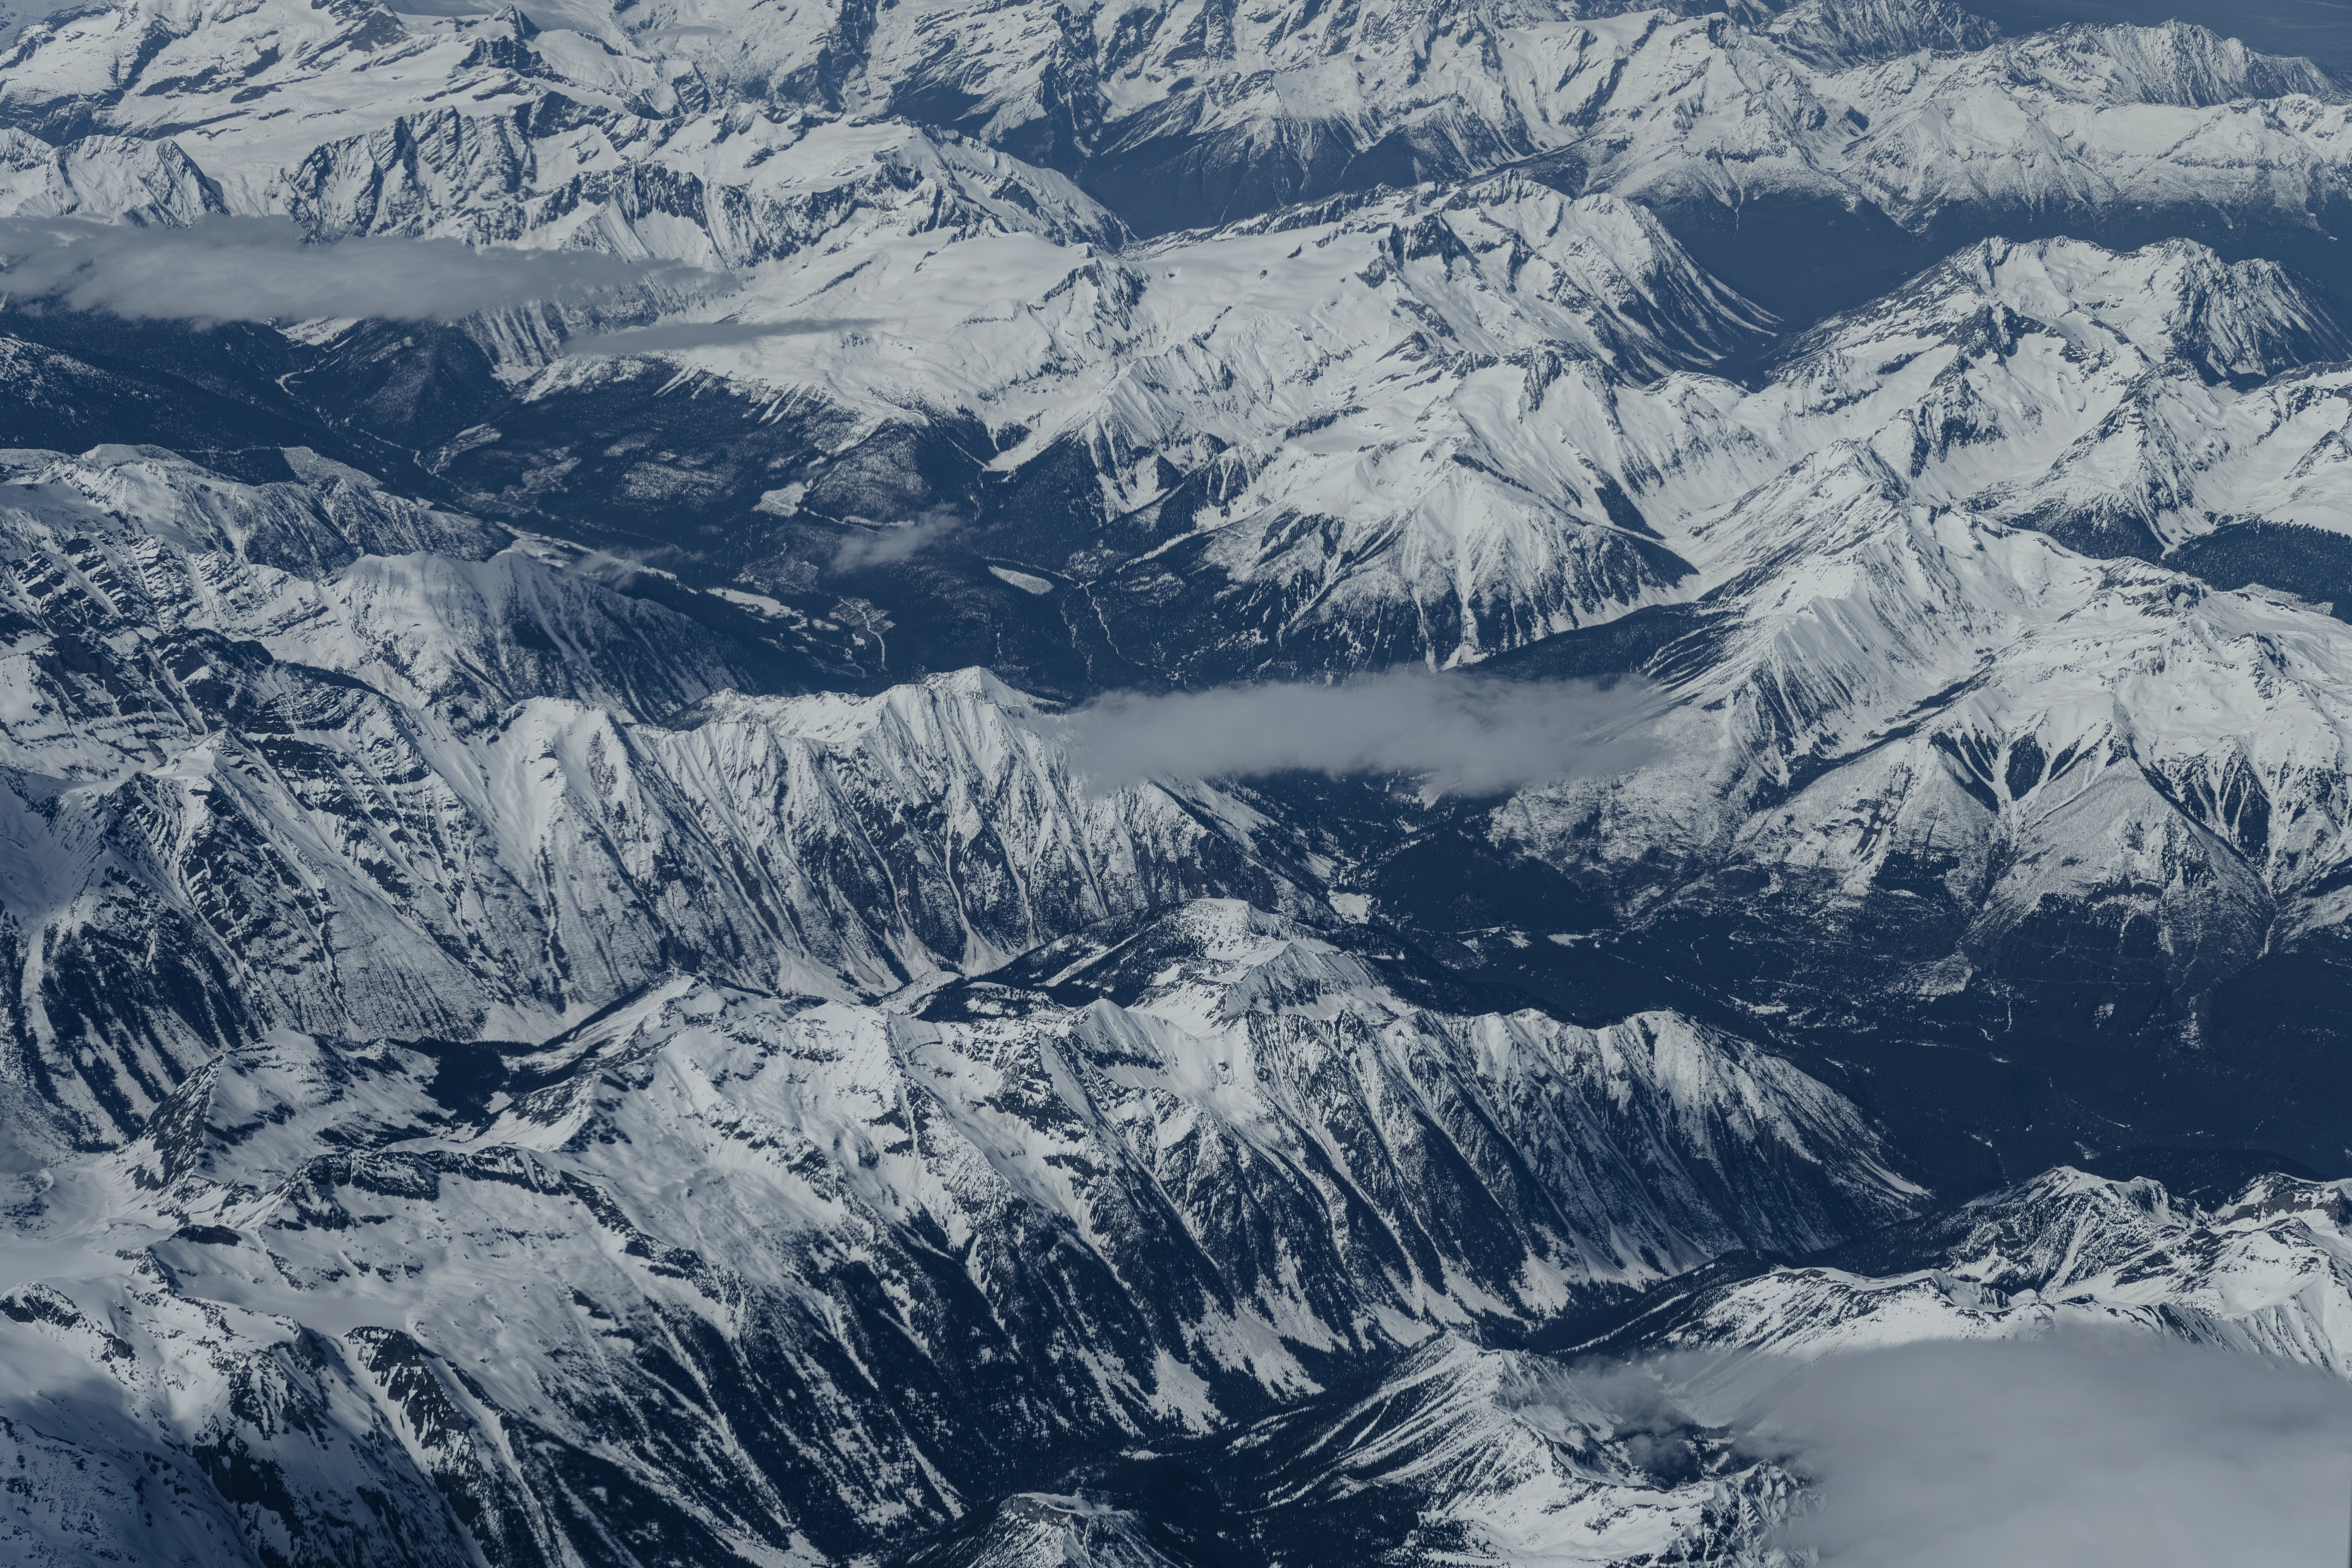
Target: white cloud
[[887, 546], [1461, 732], [673, 335], [2063, 1453], [262, 269]]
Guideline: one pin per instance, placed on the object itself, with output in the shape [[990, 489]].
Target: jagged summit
[[1837, 34]]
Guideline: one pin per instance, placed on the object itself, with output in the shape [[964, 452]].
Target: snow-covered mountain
[[1641, 1445], [572, 996], [1342, 423], [1478, 1455], [733, 1274], [1182, 115], [2261, 1269], [426, 795]]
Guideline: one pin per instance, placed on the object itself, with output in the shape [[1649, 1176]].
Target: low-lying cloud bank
[[2081, 1449], [263, 269], [865, 547], [1465, 733], [675, 335]]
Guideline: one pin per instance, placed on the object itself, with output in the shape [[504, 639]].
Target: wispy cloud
[[2077, 1449], [664, 339], [1459, 732], [622, 570], [263, 269], [887, 546]]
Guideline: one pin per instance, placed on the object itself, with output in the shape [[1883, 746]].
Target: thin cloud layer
[[262, 269], [711, 334], [888, 546], [621, 571], [1461, 733], [2059, 1453]]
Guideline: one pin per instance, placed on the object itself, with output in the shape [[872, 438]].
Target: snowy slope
[[805, 1245], [1923, 719], [2265, 1270], [1350, 443], [366, 869], [1938, 769], [1442, 426], [1044, 1530], [1499, 1456], [1185, 114], [1927, 720], [1965, 749], [258, 777], [1331, 430]]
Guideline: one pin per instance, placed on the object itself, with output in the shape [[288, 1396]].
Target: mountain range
[[582, 988]]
